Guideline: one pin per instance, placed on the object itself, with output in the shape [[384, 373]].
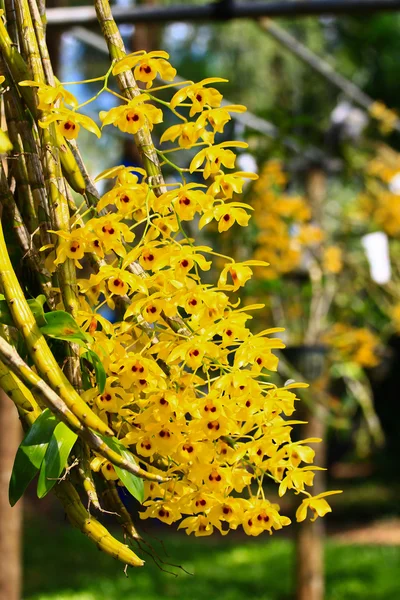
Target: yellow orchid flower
[[199, 525], [239, 272], [219, 117], [109, 230], [263, 517], [317, 504], [133, 116], [124, 175], [226, 215], [215, 157], [186, 200], [107, 469], [147, 66], [127, 198], [385, 115], [167, 512], [49, 95], [298, 478], [71, 245], [227, 184], [69, 123], [199, 95], [188, 134]]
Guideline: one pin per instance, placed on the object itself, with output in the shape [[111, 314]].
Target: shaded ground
[[60, 564], [385, 532], [362, 558]]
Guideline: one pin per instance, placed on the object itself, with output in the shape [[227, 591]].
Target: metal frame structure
[[222, 10]]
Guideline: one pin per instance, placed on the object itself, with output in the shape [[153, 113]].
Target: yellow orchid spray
[[175, 391]]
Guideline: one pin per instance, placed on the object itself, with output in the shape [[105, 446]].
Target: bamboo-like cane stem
[[143, 139], [95, 531], [42, 11], [32, 195], [85, 474], [19, 394], [13, 361], [129, 88], [115, 503], [37, 345], [10, 357], [65, 491], [20, 72], [15, 63], [30, 254], [38, 26], [55, 183], [19, 166], [9, 6], [90, 193]]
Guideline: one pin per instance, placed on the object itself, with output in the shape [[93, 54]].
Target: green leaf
[[99, 370], [55, 459], [30, 454], [86, 381], [5, 315], [132, 483], [62, 326], [35, 304]]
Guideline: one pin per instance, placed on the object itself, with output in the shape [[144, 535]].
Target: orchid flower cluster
[[379, 200], [387, 118], [378, 208], [286, 234], [187, 387], [285, 227]]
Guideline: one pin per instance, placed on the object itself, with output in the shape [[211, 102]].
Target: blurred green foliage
[[224, 568]]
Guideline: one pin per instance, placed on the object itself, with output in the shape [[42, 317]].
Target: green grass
[[61, 564]]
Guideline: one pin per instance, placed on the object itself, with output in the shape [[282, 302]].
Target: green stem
[[115, 503], [37, 346], [29, 252], [129, 88], [10, 357], [20, 72], [85, 474], [95, 531], [22, 397], [35, 50], [27, 169], [9, 6]]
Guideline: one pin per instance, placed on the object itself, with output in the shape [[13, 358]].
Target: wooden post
[[310, 569], [146, 35], [310, 539], [310, 361], [10, 518]]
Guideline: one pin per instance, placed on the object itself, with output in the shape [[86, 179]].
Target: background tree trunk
[[10, 518], [310, 540], [310, 567]]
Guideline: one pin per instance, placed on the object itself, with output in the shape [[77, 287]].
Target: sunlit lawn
[[60, 564]]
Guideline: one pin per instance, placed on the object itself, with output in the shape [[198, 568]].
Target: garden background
[[324, 139]]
